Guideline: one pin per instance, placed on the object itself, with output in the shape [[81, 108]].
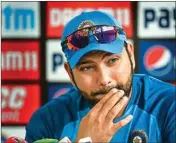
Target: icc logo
[[158, 60]]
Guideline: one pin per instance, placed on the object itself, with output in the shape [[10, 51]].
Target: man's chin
[[97, 98]]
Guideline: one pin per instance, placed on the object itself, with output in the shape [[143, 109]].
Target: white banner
[[55, 62], [156, 20], [20, 19], [9, 131]]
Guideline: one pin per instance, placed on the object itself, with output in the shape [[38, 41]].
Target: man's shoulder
[[61, 105], [53, 116], [67, 99], [154, 91], [149, 83], [58, 110], [155, 97]]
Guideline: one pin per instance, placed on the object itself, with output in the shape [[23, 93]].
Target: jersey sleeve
[[38, 127], [170, 124], [48, 121]]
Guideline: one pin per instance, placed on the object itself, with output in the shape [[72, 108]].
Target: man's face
[[98, 72]]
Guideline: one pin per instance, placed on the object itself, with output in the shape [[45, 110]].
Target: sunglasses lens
[[105, 34], [78, 40]]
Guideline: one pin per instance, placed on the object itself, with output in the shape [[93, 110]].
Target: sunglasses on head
[[81, 38]]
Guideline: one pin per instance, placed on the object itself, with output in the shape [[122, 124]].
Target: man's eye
[[86, 68], [112, 60]]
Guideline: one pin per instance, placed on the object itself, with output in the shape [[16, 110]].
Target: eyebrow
[[84, 61], [106, 55]]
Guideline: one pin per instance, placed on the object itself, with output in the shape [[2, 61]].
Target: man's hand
[[98, 123]]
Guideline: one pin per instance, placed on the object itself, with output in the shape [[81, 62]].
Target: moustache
[[107, 89]]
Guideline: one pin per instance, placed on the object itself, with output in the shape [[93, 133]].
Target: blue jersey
[[152, 105]]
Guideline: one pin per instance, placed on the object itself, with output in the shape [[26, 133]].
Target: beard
[[125, 87]]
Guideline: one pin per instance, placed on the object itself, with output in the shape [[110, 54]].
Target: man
[[109, 103]]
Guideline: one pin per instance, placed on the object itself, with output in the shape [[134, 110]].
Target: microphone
[[46, 141], [15, 140], [64, 140]]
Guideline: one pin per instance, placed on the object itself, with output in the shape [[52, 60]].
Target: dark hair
[[125, 45]]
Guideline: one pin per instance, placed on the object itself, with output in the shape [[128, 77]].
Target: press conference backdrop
[[32, 59]]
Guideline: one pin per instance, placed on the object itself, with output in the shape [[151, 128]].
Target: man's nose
[[104, 78]]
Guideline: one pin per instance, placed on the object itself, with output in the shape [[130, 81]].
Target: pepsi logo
[[158, 60]]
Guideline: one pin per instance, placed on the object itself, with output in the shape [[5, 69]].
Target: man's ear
[[131, 52], [69, 71]]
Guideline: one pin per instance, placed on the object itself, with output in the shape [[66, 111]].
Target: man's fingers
[[116, 109], [110, 103], [122, 122], [100, 104]]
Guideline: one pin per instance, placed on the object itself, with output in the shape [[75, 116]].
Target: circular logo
[[137, 139], [139, 136], [158, 60]]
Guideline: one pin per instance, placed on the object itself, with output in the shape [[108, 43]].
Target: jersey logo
[[139, 136]]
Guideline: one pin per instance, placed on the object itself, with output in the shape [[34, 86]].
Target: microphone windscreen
[[15, 140], [46, 141]]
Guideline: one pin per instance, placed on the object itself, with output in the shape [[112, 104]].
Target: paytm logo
[[55, 62], [20, 58], [16, 60], [158, 59], [156, 19], [163, 17], [58, 60], [19, 18]]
